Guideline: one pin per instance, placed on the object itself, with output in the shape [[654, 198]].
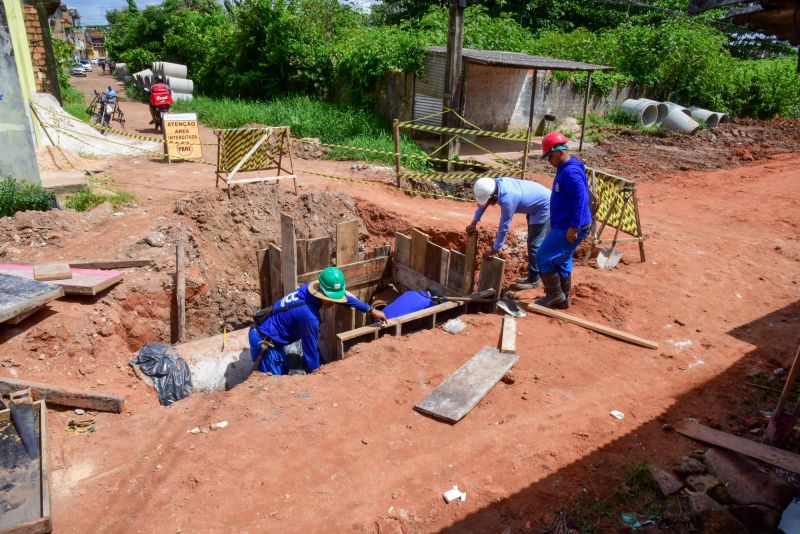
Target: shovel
[[608, 258]]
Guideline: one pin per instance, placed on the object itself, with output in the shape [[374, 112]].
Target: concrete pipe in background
[[121, 71], [141, 77], [711, 118], [158, 67], [181, 96], [723, 117], [678, 121], [173, 70], [673, 105], [662, 108], [646, 113], [180, 85]]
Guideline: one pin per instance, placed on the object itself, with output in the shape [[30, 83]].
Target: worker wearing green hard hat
[[296, 317]]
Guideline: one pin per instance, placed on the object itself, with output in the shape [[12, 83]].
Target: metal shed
[[498, 89]]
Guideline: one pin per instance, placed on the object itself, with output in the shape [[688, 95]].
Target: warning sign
[[182, 136]]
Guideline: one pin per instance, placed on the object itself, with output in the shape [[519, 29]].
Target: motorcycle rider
[[109, 96], [158, 91]]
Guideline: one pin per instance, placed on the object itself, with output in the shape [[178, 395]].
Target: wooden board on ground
[[44, 272], [508, 339], [419, 247], [123, 263], [603, 329], [772, 455], [402, 248], [491, 275], [347, 242], [461, 391], [21, 296], [288, 255], [83, 281], [25, 496], [65, 396]]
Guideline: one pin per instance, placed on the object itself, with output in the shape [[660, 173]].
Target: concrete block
[[666, 481]]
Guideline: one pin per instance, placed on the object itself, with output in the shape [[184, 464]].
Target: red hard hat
[[551, 140]]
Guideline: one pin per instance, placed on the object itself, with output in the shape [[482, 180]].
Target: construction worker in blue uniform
[[515, 196], [570, 219], [297, 317]]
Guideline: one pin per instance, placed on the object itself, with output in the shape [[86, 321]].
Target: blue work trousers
[[555, 254], [536, 234], [274, 360]]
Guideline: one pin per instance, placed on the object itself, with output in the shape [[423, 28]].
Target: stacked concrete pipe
[[142, 78], [662, 108], [711, 118], [679, 121], [122, 71], [175, 75], [646, 113]]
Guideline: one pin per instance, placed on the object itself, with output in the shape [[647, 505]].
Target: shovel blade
[[608, 258]]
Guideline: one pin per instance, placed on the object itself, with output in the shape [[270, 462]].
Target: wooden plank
[[358, 273], [180, 291], [461, 391], [302, 256], [318, 254], [83, 281], [123, 263], [444, 267], [603, 329], [412, 280], [275, 277], [65, 396], [419, 248], [455, 275], [491, 274], [402, 248], [469, 263], [347, 242], [44, 272], [44, 447], [433, 262], [508, 341], [262, 270], [288, 258], [42, 525], [21, 295], [343, 319], [771, 455]]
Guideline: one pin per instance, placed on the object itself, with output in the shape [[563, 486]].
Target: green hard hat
[[329, 285]]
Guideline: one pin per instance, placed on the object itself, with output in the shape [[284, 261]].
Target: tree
[[132, 6]]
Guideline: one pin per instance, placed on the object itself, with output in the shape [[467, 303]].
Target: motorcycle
[[161, 106], [101, 110]]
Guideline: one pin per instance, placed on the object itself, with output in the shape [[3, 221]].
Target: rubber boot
[[553, 293], [525, 283], [566, 287]]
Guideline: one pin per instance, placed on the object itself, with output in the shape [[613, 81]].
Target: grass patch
[[73, 102], [88, 197], [310, 117], [23, 196], [617, 118], [134, 92]]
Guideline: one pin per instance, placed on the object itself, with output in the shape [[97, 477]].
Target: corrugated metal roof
[[523, 61]]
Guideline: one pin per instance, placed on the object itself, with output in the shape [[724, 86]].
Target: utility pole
[[452, 75]]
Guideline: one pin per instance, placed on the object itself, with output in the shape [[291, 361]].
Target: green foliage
[[22, 196], [308, 117], [74, 103], [87, 198], [136, 59], [134, 92], [63, 56]]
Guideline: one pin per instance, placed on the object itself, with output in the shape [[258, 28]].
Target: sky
[[94, 11]]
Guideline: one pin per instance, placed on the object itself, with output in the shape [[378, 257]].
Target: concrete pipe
[[711, 118], [181, 96], [121, 71], [723, 117], [646, 113], [673, 105], [174, 70], [678, 121], [180, 85], [141, 77], [158, 67], [662, 108]]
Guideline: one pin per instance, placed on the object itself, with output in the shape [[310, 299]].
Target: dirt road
[[343, 449]]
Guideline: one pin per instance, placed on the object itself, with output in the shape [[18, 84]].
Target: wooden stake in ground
[[180, 292], [607, 330]]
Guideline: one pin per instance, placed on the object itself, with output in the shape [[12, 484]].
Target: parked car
[[94, 61], [86, 64], [77, 70]]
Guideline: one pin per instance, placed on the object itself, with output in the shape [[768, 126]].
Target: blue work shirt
[[408, 302], [569, 203], [518, 196], [301, 322]]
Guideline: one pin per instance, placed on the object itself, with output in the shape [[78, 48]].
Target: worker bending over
[[297, 317]]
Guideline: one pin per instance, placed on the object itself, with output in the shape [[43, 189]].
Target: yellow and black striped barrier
[[463, 131], [443, 176]]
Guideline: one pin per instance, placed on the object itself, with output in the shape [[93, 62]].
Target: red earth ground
[[343, 449]]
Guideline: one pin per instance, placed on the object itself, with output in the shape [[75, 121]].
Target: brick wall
[[44, 71]]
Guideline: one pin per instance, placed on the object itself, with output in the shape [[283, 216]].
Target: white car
[[87, 65], [77, 70], [94, 61]]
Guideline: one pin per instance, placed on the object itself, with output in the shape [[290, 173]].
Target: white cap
[[484, 189]]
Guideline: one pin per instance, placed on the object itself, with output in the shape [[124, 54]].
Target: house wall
[[396, 97], [41, 48]]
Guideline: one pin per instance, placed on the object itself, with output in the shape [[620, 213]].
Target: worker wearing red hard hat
[[570, 220]]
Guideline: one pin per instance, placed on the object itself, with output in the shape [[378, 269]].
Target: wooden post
[[288, 255], [180, 291], [527, 151], [585, 104], [262, 265], [452, 73], [469, 263], [396, 129], [638, 225], [346, 242]]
